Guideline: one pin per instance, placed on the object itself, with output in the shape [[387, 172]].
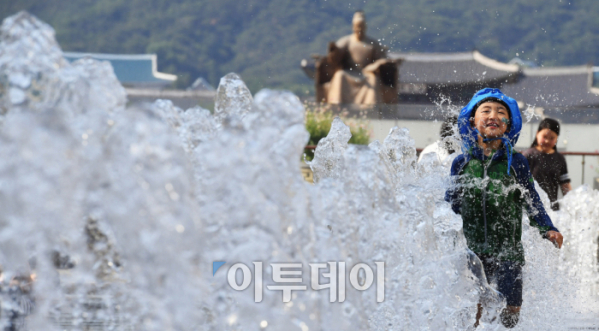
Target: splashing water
[[530, 114], [233, 98], [120, 212]]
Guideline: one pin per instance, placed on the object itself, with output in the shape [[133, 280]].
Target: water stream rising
[[121, 211]]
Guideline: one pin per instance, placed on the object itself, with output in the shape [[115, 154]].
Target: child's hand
[[555, 237]]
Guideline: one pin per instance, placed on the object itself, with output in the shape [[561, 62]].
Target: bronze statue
[[356, 70]]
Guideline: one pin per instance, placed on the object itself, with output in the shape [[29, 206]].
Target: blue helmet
[[469, 134]]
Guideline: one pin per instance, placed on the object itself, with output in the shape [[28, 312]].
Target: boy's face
[[491, 119]]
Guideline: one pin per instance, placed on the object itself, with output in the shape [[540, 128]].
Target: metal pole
[[582, 170]]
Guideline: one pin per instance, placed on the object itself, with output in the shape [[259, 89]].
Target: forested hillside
[[264, 40]]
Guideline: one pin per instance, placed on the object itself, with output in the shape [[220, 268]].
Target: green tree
[[264, 40]]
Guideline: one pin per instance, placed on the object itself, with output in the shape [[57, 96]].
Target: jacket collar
[[477, 153]]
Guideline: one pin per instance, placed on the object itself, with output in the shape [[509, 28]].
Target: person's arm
[[566, 187], [564, 178], [453, 194], [534, 207]]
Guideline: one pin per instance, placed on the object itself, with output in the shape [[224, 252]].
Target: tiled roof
[[557, 87], [452, 68]]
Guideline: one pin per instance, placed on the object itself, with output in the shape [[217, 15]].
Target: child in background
[[548, 167], [442, 148], [493, 184]]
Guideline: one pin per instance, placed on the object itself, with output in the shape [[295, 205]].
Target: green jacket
[[491, 202]]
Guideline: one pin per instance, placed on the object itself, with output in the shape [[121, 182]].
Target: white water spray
[[121, 212]]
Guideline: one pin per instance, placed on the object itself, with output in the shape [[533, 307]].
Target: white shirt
[[441, 153]]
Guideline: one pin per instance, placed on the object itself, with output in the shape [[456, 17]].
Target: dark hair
[[448, 125], [547, 123], [447, 131]]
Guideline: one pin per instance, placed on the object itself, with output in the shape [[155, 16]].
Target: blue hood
[[469, 136]]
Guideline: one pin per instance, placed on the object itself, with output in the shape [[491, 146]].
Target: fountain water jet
[[163, 192]]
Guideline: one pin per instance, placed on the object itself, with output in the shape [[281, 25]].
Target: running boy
[[493, 184]]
